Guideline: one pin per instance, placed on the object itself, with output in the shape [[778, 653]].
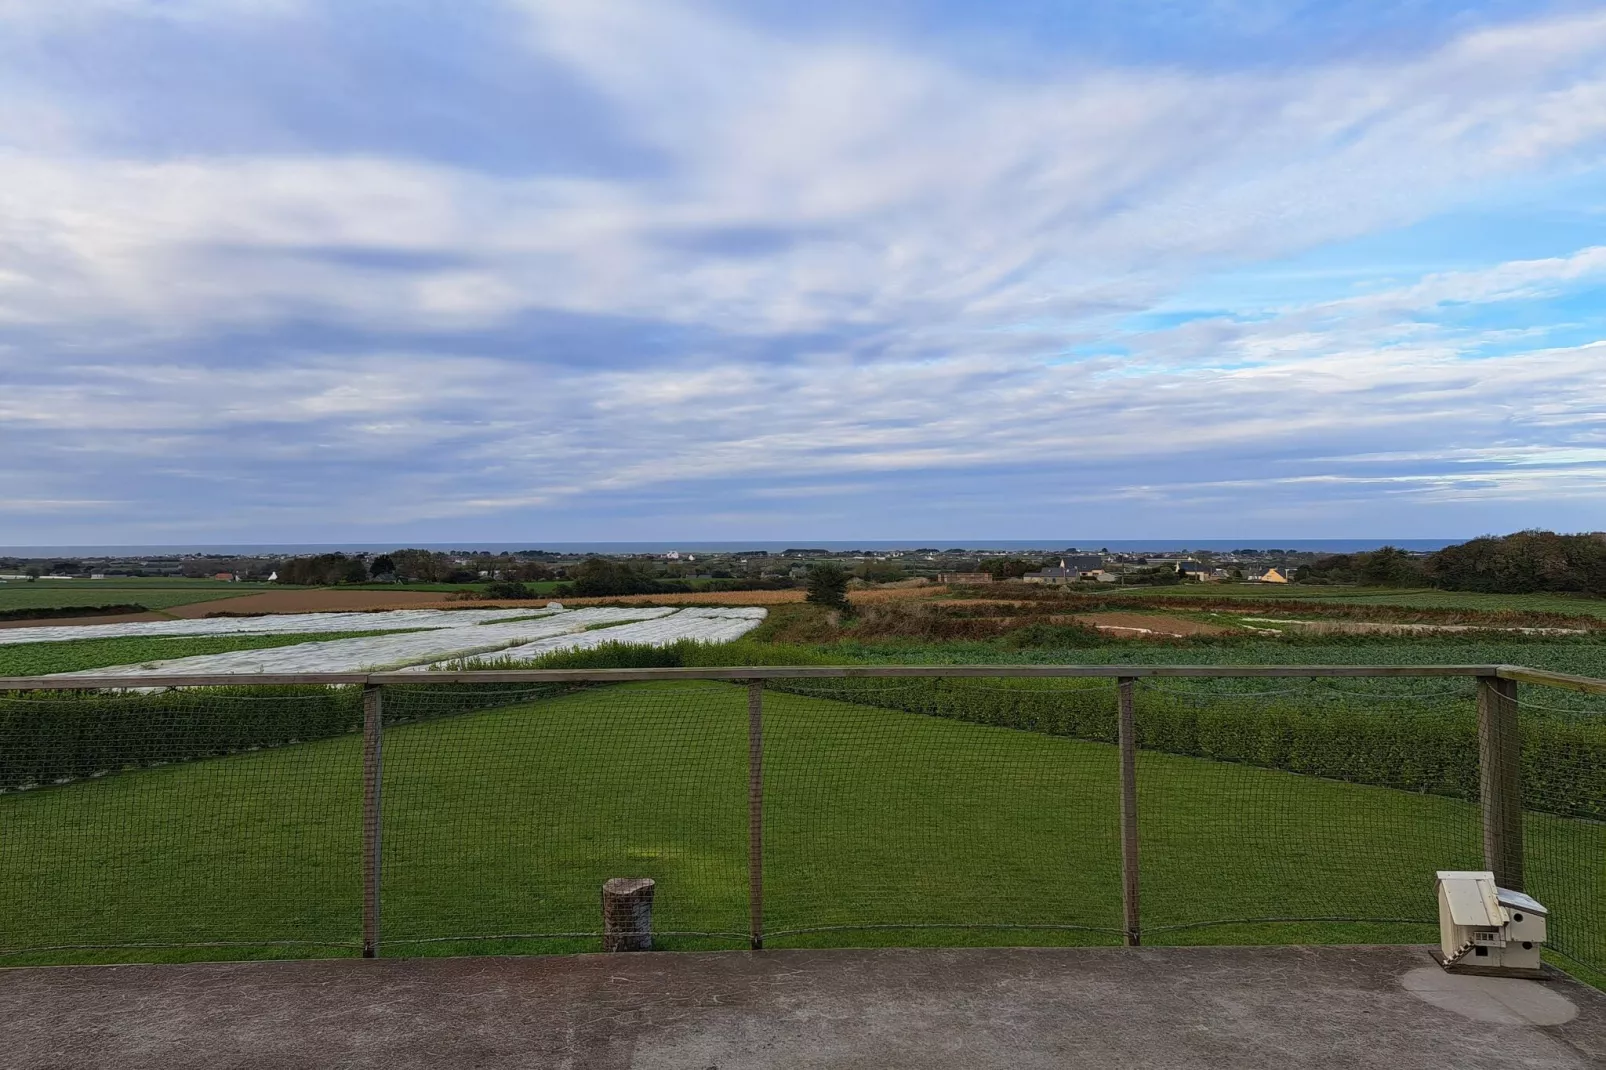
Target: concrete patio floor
[[1174, 1008]]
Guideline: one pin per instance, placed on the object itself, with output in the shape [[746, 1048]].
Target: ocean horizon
[[736, 546]]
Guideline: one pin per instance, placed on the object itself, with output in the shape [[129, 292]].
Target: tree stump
[[627, 914]]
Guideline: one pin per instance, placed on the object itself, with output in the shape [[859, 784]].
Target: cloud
[[833, 264], [890, 188]]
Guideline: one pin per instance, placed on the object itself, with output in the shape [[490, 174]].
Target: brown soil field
[[1147, 623]]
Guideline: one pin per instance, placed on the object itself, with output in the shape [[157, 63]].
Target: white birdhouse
[[1487, 929]]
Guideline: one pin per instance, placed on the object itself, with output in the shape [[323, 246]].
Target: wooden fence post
[[755, 811], [1127, 737], [373, 716], [1500, 780]]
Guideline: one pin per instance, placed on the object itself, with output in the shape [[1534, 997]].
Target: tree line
[[409, 566], [1527, 562]]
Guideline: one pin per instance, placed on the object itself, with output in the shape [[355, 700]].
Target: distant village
[[955, 565]]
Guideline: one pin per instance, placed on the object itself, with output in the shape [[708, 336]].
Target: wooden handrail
[[1546, 678], [91, 680]]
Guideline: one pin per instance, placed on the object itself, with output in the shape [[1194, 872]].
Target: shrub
[[828, 586], [1043, 634], [508, 589]]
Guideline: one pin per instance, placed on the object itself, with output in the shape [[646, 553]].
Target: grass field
[[156, 594], [505, 822]]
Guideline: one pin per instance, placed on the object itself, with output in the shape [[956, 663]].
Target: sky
[[523, 270]]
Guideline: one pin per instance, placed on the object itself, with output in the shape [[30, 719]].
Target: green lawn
[[504, 823], [81, 655]]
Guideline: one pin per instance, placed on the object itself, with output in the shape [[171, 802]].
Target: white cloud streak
[[922, 247]]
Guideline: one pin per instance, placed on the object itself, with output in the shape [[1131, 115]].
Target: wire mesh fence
[[182, 818], [807, 811], [504, 825], [1314, 804], [1563, 785], [885, 816]]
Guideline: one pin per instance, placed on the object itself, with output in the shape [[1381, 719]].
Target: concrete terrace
[[1176, 1008]]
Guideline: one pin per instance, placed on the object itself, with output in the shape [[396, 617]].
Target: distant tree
[[1388, 566], [828, 586], [598, 577], [383, 565], [1335, 568], [871, 571], [421, 566], [1522, 563], [32, 572], [510, 589], [324, 570], [532, 572], [1010, 568], [1152, 576]]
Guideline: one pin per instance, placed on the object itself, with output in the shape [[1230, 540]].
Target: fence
[[448, 812]]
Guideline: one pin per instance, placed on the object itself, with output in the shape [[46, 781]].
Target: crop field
[[1423, 598], [41, 659], [403, 638], [45, 594]]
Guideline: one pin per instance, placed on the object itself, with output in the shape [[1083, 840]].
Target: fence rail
[[1517, 673], [1536, 773]]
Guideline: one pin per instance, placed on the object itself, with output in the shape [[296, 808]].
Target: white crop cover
[[276, 624], [451, 637], [714, 625]]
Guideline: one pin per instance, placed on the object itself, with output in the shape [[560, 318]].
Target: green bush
[[828, 586]]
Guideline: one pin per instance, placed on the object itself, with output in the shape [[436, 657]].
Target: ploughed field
[[880, 826]]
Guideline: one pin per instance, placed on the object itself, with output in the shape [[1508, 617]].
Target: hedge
[[1427, 745], [59, 736]]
